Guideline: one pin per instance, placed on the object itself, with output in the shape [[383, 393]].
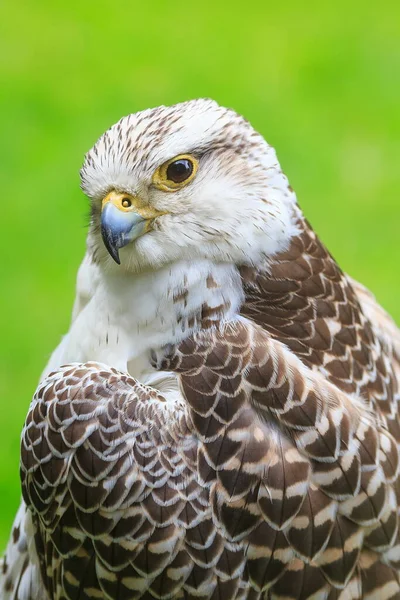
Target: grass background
[[319, 80]]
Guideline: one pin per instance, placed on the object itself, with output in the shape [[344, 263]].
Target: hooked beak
[[123, 219]]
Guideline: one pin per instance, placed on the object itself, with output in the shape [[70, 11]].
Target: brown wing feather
[[122, 493], [384, 325], [231, 494], [317, 479], [108, 492], [331, 323]]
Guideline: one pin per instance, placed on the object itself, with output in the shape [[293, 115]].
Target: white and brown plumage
[[229, 426]]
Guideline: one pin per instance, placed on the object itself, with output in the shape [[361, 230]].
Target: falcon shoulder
[[333, 324]]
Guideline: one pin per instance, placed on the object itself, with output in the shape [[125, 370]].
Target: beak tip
[[111, 246], [116, 258], [114, 253]]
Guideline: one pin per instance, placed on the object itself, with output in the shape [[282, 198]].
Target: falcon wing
[[266, 479], [321, 503], [108, 470]]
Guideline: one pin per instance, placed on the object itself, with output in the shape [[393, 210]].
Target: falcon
[[221, 420]]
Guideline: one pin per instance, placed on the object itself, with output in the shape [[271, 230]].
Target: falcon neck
[[162, 307]]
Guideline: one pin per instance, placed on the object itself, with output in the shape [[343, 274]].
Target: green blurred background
[[321, 81]]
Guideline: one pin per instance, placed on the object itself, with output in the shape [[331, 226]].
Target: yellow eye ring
[[175, 173]]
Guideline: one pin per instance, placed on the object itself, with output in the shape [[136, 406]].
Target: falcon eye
[[179, 170], [175, 173], [126, 202]]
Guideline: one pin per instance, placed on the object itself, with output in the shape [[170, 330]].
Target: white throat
[[127, 315]]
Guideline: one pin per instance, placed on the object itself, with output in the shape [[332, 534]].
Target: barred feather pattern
[[267, 482], [335, 498], [332, 323]]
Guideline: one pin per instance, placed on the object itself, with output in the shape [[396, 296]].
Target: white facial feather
[[238, 208]]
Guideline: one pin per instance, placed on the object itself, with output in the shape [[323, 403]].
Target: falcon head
[[186, 182]]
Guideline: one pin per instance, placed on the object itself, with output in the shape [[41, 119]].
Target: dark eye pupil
[[179, 170]]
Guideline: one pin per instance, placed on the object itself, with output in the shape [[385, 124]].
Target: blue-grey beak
[[118, 228]]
